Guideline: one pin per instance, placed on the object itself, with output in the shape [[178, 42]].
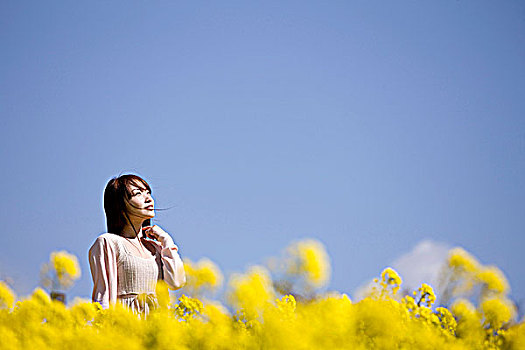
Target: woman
[[127, 262]]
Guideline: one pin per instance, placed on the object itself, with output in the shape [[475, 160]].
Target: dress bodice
[[135, 275]]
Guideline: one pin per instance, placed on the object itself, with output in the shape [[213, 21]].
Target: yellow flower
[[188, 307], [40, 296], [497, 312], [427, 294], [460, 259], [251, 291], [258, 319], [390, 277], [286, 305], [202, 276], [493, 279], [61, 271], [7, 296], [163, 294], [410, 303], [448, 322], [65, 265], [463, 308], [309, 259]]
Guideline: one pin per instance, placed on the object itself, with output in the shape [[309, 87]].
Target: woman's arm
[[103, 264], [172, 266]]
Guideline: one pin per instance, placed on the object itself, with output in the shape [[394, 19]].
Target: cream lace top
[[135, 275], [118, 275]]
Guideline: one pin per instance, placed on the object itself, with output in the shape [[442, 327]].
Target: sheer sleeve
[[103, 264], [172, 266]]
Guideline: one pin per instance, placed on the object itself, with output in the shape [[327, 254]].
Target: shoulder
[[105, 240], [109, 238]]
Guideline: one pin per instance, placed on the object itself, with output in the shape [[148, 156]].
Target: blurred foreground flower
[[60, 273], [257, 320], [497, 312], [463, 276], [202, 277], [251, 291], [7, 296], [303, 269]]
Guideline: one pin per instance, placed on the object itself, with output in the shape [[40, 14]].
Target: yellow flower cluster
[[462, 260], [390, 278], [309, 259], [257, 317], [188, 307], [493, 280], [250, 292], [7, 297], [497, 312], [202, 276], [60, 272], [303, 269], [426, 294], [464, 276]]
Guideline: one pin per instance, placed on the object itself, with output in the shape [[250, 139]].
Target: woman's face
[[141, 203]]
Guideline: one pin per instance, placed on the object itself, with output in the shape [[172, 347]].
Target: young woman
[[128, 260]]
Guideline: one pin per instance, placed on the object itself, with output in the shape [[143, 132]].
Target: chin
[[148, 215]]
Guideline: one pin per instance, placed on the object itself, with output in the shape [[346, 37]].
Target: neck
[[129, 230]]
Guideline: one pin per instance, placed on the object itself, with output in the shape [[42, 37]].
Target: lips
[[149, 207]]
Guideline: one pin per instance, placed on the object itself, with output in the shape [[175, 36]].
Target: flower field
[[279, 306]]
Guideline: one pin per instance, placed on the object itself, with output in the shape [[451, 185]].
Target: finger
[[150, 234]]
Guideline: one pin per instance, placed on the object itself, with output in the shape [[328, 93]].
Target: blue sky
[[371, 126]]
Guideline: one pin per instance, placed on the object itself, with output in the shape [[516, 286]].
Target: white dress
[[120, 276]]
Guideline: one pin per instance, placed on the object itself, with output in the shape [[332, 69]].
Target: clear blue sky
[[370, 126]]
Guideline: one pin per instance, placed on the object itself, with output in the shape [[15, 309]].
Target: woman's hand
[[155, 232]]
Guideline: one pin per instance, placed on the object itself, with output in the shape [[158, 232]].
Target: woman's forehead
[[134, 185]]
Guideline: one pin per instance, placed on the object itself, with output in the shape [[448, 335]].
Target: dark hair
[[116, 194]]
